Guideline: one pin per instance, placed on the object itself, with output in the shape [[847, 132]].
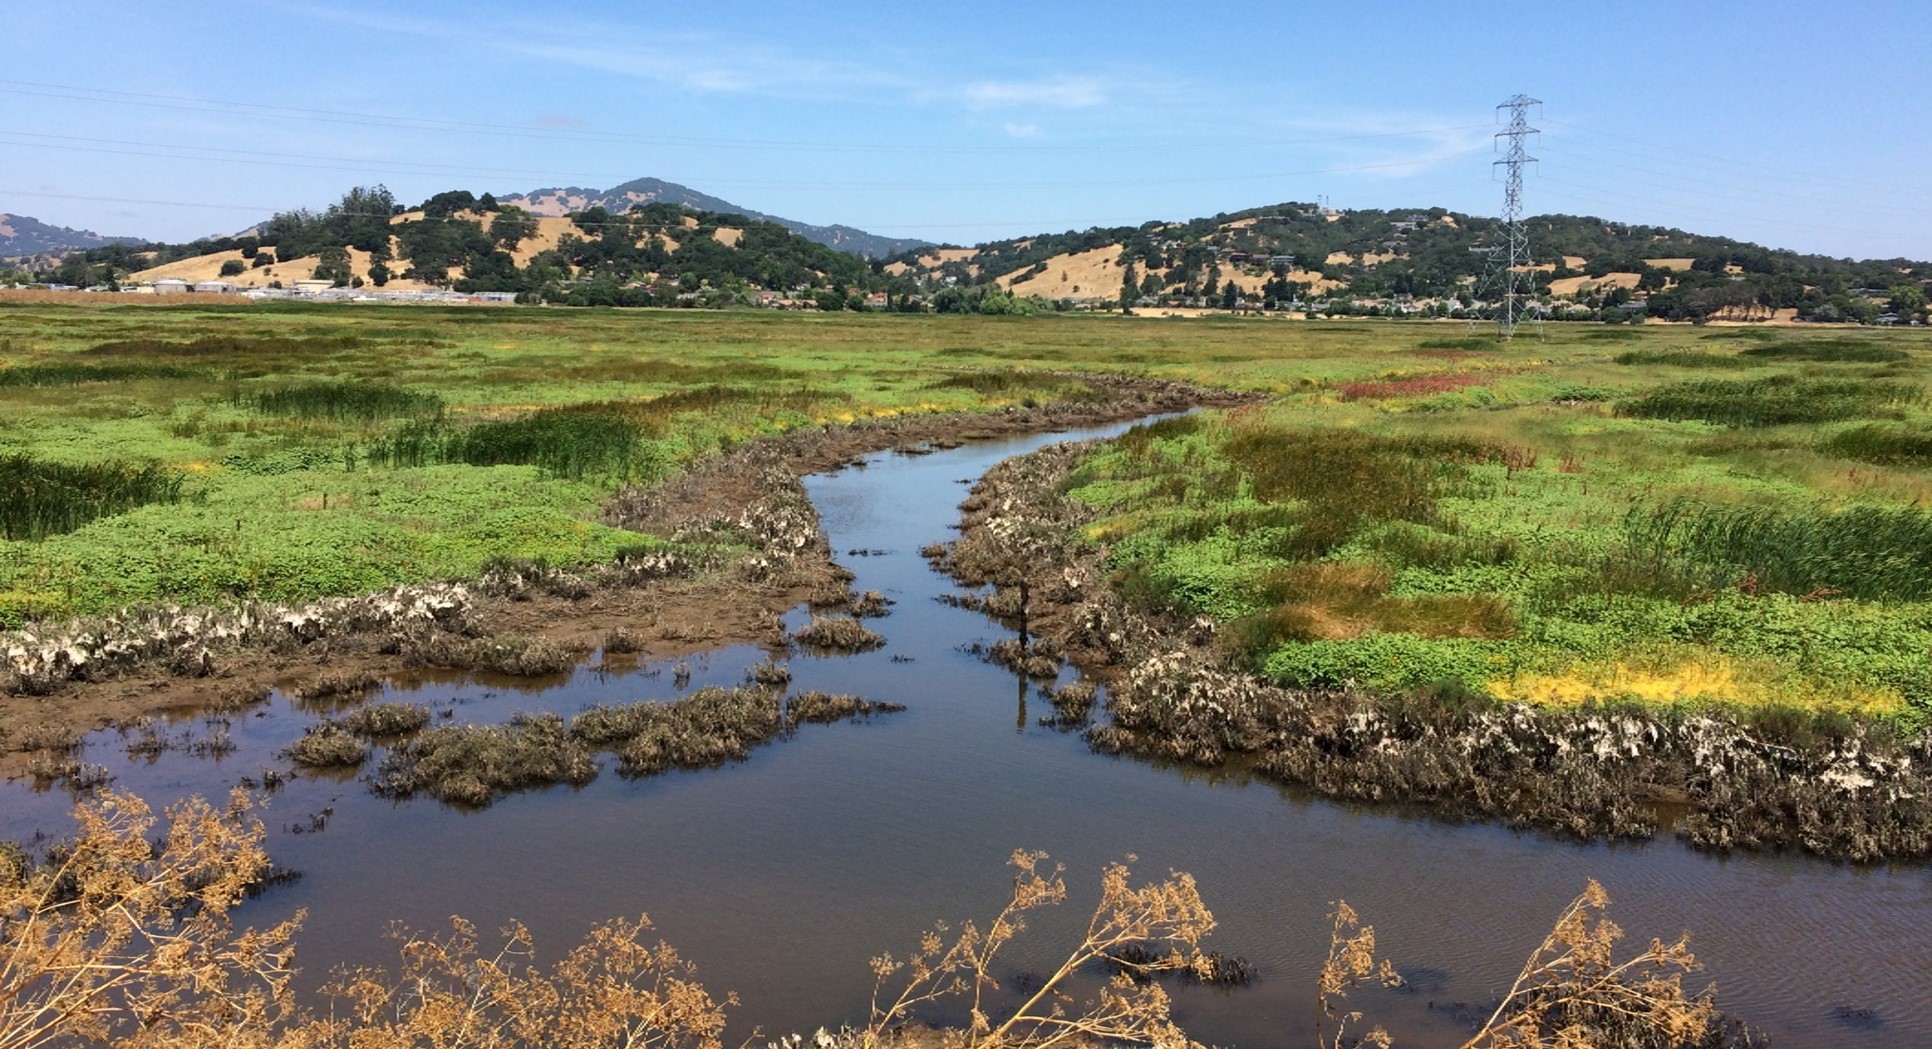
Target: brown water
[[779, 876]]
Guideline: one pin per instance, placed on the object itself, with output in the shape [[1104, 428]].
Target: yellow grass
[[1669, 264], [1710, 678], [1577, 285]]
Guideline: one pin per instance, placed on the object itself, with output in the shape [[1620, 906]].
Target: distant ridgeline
[[1299, 257]]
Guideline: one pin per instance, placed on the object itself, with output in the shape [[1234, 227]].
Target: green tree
[[233, 267], [1129, 287]]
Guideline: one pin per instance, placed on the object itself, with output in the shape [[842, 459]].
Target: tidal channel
[[780, 876]]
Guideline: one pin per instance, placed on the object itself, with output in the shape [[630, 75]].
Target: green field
[[1661, 513]]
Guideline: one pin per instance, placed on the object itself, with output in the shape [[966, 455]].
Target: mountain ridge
[[25, 238], [557, 201]]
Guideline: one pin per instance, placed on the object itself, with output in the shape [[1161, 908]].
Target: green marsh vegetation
[[202, 454], [1592, 515], [1762, 542]]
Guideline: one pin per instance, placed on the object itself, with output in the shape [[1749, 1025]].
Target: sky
[[1796, 125]]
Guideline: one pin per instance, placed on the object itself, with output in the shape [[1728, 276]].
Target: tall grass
[[344, 402], [266, 348], [1847, 351], [39, 499], [1883, 445], [1683, 359], [562, 442], [656, 415], [1004, 383], [1774, 401], [73, 373], [1470, 343], [1868, 552]]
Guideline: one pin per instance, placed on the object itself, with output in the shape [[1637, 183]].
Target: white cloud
[[1063, 92], [1024, 130]]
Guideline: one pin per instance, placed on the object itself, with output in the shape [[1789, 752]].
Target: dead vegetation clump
[[1138, 931], [825, 707], [1572, 992], [708, 727], [769, 673], [328, 746], [622, 642], [1035, 658], [514, 655], [385, 720], [837, 634], [476, 764], [1072, 704], [338, 687], [871, 605]]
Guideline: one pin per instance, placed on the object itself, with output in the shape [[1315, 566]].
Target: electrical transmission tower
[[1519, 282]]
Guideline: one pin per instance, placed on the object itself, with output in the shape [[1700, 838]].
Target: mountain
[[1427, 260], [558, 201], [22, 237]]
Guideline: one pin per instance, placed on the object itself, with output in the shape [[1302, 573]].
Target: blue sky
[[1799, 125]]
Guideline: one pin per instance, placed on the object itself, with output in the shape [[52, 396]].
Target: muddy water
[[781, 875]]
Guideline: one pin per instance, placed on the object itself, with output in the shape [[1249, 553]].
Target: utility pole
[[1518, 282]]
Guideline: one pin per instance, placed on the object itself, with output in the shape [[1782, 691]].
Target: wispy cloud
[[1061, 92], [1023, 130], [1392, 145], [688, 61]]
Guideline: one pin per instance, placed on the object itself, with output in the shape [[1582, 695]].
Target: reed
[[39, 498], [1683, 359], [74, 373], [1842, 351], [566, 443], [1882, 445], [1868, 552], [1776, 401], [348, 402]]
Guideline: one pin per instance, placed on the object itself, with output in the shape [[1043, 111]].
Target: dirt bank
[[1778, 780], [747, 548]]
